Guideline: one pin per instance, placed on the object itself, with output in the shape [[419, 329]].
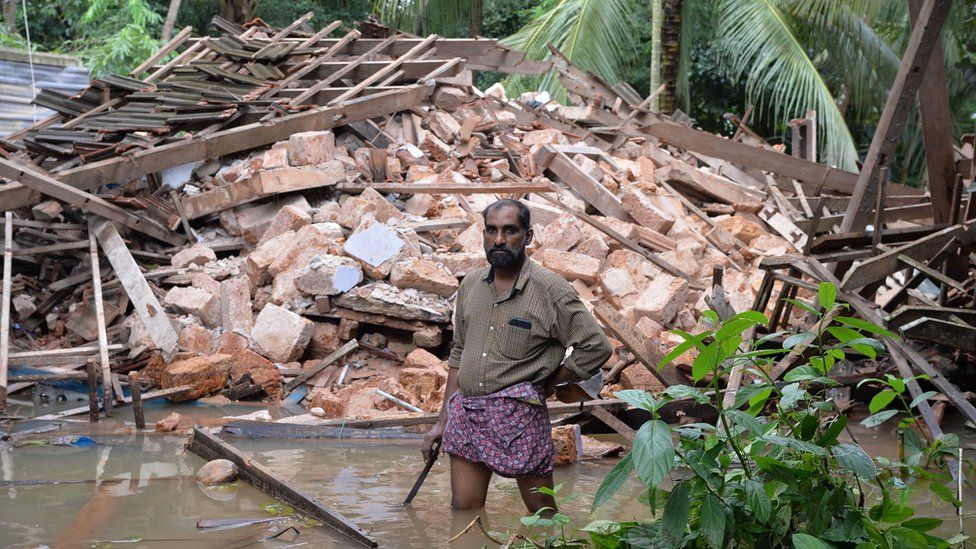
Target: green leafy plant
[[779, 467]]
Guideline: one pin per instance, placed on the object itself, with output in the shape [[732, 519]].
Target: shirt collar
[[520, 281]]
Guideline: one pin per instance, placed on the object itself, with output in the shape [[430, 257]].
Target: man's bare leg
[[469, 484], [534, 500]]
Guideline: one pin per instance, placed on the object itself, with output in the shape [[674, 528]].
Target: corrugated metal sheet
[[16, 111]]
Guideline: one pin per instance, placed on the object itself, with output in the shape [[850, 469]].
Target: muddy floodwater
[[130, 489]]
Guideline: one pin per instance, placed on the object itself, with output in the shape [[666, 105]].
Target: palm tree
[[837, 57], [424, 17]]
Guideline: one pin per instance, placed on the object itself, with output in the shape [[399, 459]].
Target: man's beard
[[504, 257]]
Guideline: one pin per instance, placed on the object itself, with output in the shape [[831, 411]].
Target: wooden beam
[[901, 97], [923, 249], [210, 447], [933, 102], [613, 422], [151, 395], [750, 156], [627, 333], [131, 166], [349, 347], [8, 265], [34, 178], [100, 322], [143, 299], [435, 188], [587, 188]]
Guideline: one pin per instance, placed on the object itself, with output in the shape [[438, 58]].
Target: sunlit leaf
[[877, 419], [853, 458], [614, 480], [881, 400], [653, 452], [827, 295]]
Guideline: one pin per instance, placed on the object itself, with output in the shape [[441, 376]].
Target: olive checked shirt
[[522, 336]]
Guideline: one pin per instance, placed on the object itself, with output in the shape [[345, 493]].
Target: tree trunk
[[657, 17], [10, 16], [237, 11], [477, 18], [670, 54], [170, 22]]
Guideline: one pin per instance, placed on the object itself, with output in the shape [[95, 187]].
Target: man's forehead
[[503, 215]]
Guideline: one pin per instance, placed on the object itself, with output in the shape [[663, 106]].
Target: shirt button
[[484, 354], [481, 384], [490, 328], [494, 304]]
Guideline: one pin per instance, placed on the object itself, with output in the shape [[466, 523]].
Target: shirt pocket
[[514, 342]]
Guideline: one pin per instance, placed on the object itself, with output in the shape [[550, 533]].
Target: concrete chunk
[[288, 218], [373, 245], [645, 211], [309, 148], [235, 305], [661, 300], [426, 275], [197, 254], [329, 275], [569, 265], [280, 334], [207, 374], [193, 301]]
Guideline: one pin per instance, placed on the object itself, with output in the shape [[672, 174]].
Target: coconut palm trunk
[[670, 50]]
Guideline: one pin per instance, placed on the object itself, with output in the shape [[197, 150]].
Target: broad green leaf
[[614, 480], [792, 394], [733, 327], [844, 334], [638, 398], [806, 541], [676, 511], [890, 512], [881, 400], [879, 418], [802, 305], [922, 524], [827, 295], [683, 391], [897, 384], [922, 398], [681, 348], [801, 338], [757, 400], [802, 373], [745, 421], [831, 433], [707, 359], [946, 494], [653, 452], [754, 317], [711, 316], [906, 537], [853, 458], [808, 426], [757, 500], [866, 326], [712, 521]]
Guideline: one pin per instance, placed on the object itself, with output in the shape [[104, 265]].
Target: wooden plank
[[8, 265], [474, 188], [142, 162], [163, 51], [140, 294], [627, 333], [933, 99], [904, 315], [613, 422], [53, 248], [349, 347], [54, 354], [34, 178], [901, 97], [923, 249], [100, 322], [710, 185], [750, 156], [587, 188], [210, 447]]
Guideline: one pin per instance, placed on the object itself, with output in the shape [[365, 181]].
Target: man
[[513, 322]]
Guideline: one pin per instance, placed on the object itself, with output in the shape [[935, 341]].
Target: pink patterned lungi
[[508, 431]]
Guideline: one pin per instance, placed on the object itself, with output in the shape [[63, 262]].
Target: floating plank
[[210, 447], [624, 331], [33, 178], [925, 36], [143, 299]]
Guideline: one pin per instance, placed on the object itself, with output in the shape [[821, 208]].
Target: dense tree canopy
[[781, 56]]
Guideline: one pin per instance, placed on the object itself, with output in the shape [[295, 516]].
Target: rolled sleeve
[[575, 327]]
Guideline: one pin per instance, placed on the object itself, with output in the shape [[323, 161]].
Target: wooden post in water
[[92, 392], [100, 322], [137, 400]]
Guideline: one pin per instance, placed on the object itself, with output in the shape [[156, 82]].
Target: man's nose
[[499, 239]]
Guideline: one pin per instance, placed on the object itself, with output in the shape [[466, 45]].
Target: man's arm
[[575, 327], [453, 362]]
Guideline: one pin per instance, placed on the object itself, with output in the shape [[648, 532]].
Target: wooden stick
[[137, 400], [336, 355], [92, 392], [100, 320], [8, 240]]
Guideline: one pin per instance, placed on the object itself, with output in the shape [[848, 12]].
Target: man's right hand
[[432, 437]]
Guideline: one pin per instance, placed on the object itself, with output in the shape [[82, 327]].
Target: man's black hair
[[525, 216]]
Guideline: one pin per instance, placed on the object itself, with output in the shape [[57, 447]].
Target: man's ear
[[529, 233]]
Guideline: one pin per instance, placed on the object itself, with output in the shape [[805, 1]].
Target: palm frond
[[760, 43], [423, 17], [592, 34]]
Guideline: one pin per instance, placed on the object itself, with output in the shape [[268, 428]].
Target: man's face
[[505, 238]]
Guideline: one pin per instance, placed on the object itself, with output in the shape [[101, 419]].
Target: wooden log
[[34, 378], [627, 333], [143, 299], [8, 239], [100, 322], [925, 36], [210, 447], [92, 392], [136, 391], [34, 178]]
